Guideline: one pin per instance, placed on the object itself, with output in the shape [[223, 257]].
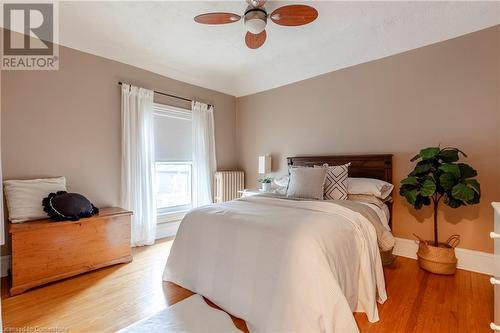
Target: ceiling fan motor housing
[[255, 20]]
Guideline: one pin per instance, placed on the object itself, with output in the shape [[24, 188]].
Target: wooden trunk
[[44, 251]]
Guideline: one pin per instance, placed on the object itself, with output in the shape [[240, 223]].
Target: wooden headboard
[[365, 166]]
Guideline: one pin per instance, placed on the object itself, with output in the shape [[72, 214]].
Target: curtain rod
[[169, 95]]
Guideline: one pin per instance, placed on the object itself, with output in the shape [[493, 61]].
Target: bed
[[286, 265]]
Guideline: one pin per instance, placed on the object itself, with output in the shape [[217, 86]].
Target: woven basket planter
[[387, 257], [438, 259]]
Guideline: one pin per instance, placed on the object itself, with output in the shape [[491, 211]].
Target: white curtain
[[204, 162], [138, 174]]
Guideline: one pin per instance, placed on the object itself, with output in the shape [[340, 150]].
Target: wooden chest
[[44, 251]]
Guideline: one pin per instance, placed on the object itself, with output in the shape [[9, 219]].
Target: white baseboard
[[469, 260], [4, 266], [169, 229]]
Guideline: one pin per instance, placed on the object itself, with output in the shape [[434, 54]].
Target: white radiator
[[227, 184]]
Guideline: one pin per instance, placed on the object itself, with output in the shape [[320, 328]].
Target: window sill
[[167, 230], [170, 217]]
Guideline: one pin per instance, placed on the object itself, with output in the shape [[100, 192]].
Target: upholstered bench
[[45, 251]]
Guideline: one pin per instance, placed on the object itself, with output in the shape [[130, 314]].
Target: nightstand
[[250, 192]]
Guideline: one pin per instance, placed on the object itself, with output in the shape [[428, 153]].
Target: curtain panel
[[204, 160], [138, 161]]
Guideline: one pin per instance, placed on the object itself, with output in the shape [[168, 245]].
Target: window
[[173, 186], [173, 149]]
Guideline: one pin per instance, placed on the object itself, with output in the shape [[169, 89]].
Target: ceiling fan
[[255, 18]]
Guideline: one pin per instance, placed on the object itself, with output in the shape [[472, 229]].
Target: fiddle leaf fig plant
[[438, 176]]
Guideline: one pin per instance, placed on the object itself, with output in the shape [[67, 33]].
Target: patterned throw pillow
[[336, 182]]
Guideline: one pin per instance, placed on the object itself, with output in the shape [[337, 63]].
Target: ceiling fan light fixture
[[255, 26], [255, 20]]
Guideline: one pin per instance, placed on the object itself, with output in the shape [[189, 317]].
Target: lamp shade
[[264, 164]]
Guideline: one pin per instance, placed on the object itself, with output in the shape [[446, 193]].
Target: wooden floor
[[422, 302], [115, 297]]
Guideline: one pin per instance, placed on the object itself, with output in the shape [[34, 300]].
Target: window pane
[[173, 185], [173, 140]]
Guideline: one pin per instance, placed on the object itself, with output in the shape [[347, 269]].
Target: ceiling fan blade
[[217, 18], [293, 15], [255, 41]]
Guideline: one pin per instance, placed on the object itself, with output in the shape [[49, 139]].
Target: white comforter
[[281, 265]]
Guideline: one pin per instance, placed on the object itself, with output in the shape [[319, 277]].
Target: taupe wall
[[446, 93], [67, 122]]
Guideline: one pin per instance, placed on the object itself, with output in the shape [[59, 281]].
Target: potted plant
[[438, 177], [266, 184]]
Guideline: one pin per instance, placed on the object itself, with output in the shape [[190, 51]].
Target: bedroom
[[365, 83]]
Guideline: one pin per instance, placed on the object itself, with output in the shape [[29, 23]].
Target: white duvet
[[281, 265]]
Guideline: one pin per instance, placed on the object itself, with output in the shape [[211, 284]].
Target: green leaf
[[453, 203], [466, 171], [419, 203], [429, 153], [422, 167], [474, 200], [474, 184], [414, 158], [411, 196], [462, 192], [448, 155], [451, 168], [407, 188], [428, 188], [410, 181], [447, 181]]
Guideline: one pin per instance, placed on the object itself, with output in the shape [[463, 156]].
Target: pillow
[[280, 184], [369, 186], [306, 183], [24, 197], [336, 182], [62, 206], [367, 198]]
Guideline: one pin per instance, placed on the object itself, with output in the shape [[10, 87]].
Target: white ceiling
[[162, 37]]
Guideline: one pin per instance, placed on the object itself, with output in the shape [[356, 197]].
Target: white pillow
[[306, 183], [24, 197], [280, 184], [369, 186]]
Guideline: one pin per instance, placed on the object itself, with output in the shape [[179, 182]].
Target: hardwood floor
[[115, 297], [422, 302]]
